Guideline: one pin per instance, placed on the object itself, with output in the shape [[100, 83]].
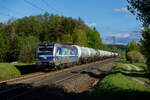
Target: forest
[[20, 37]]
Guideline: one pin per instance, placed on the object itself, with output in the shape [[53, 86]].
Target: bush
[[135, 56], [8, 70], [132, 46]]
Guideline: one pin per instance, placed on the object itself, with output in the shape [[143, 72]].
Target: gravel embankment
[[67, 84]]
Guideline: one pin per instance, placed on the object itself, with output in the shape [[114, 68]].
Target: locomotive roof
[[51, 43], [46, 43]]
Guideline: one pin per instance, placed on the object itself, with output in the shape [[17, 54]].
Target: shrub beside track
[[8, 70]]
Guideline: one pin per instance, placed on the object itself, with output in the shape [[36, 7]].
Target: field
[[122, 83]]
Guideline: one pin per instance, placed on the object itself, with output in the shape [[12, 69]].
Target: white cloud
[[142, 28], [124, 35], [91, 24], [121, 10]]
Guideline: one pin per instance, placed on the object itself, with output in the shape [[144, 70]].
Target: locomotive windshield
[[46, 49]]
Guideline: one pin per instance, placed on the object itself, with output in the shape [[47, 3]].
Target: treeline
[[19, 37], [117, 48]]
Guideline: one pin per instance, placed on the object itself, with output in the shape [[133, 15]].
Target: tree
[[131, 47], [94, 40], [28, 47], [4, 47], [80, 37], [146, 45], [4, 43], [135, 57], [141, 8]]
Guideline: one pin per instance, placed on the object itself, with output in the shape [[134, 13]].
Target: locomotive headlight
[[45, 56]]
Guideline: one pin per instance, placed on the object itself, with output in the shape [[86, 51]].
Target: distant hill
[[119, 47], [20, 37]]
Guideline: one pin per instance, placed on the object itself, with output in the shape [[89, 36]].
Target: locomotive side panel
[[65, 54]]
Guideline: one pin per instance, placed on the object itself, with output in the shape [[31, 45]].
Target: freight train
[[56, 55]]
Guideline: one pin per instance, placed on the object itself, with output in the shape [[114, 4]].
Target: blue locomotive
[[56, 55]]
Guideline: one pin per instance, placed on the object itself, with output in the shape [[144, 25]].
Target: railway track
[[38, 78], [23, 77], [37, 74]]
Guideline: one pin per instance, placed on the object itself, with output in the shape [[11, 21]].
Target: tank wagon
[[56, 55]]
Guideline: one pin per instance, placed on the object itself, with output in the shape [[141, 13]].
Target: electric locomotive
[[56, 55]]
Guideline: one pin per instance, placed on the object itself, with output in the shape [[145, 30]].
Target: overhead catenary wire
[[10, 18], [49, 6], [12, 11], [8, 13], [3, 14], [35, 6]]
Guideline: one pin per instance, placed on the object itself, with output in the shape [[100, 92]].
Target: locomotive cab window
[[45, 49]]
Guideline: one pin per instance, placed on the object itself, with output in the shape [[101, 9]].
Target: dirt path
[[129, 70], [137, 68], [128, 67]]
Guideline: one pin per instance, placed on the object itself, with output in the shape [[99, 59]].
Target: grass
[[142, 66], [22, 64], [145, 70], [132, 68], [120, 68], [8, 70], [117, 85]]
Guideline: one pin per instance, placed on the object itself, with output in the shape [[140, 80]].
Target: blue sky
[[109, 16]]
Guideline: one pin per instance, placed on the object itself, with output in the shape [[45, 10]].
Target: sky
[[110, 17]]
